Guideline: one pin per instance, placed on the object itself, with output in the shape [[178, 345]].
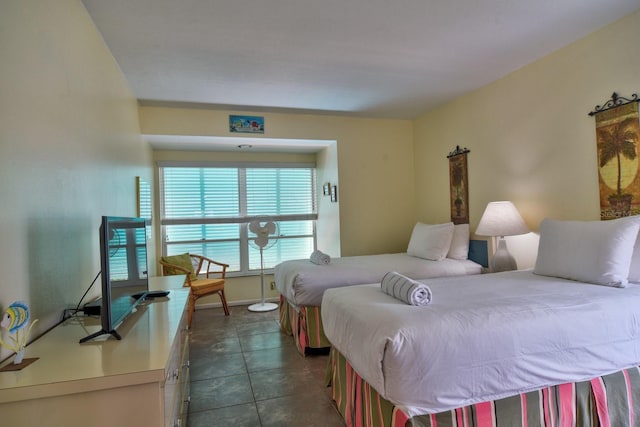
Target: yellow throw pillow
[[183, 261]]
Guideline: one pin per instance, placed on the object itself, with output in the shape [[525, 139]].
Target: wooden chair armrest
[[221, 264], [210, 261]]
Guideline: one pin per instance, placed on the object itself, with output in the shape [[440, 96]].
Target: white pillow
[[459, 248], [430, 241], [634, 269], [596, 252]]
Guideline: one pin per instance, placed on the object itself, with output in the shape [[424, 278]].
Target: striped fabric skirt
[[305, 324], [609, 401]]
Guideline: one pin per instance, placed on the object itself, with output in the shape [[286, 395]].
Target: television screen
[[123, 256]]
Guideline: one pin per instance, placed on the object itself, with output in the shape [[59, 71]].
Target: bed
[[555, 345], [301, 283]]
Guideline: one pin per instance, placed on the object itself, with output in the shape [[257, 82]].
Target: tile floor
[[245, 372]]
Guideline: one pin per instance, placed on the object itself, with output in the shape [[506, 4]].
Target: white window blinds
[[206, 209]]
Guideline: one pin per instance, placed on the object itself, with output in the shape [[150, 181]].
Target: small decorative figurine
[[15, 320]]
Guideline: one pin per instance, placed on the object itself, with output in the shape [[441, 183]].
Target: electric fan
[[262, 242]]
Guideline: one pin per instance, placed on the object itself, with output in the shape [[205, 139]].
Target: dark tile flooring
[[245, 372]]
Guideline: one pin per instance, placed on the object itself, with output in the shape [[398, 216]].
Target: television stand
[[141, 380], [100, 332]]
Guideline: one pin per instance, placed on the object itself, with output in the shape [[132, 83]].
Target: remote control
[[156, 294]]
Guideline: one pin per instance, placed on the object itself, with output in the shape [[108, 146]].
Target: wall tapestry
[[617, 136], [459, 185]]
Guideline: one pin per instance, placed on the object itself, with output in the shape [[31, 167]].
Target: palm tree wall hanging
[[459, 185], [617, 137]]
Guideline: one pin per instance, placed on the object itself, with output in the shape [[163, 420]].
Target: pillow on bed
[[634, 269], [596, 252], [430, 241], [459, 248]]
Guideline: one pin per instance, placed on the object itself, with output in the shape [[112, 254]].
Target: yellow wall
[[530, 136], [375, 166], [372, 161], [70, 149]]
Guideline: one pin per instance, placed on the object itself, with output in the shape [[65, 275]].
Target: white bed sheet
[[303, 283], [483, 337]]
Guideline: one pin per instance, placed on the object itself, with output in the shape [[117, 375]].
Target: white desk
[[141, 380]]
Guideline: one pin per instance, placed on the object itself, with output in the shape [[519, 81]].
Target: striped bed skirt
[[305, 324], [608, 401]]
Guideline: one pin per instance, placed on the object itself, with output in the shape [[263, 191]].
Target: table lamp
[[498, 220]]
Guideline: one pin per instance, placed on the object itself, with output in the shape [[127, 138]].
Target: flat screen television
[[123, 259]]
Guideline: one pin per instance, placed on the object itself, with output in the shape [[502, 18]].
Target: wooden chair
[[193, 265]]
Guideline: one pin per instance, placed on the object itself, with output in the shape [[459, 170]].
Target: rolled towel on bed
[[405, 289], [319, 257]]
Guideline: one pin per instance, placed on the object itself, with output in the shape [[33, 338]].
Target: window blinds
[[205, 209]]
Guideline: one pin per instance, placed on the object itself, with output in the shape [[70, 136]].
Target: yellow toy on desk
[[15, 319]]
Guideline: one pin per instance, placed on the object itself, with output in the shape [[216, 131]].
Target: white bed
[[483, 338], [303, 283], [435, 250], [574, 317]]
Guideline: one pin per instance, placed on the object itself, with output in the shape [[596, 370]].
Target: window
[[205, 209]]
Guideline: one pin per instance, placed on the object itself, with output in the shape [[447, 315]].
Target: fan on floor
[[262, 242]]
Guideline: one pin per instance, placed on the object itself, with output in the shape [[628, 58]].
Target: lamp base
[[502, 260], [263, 306]]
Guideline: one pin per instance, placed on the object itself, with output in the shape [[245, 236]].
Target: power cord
[[70, 312]]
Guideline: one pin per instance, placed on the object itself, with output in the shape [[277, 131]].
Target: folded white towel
[[319, 257], [405, 289]]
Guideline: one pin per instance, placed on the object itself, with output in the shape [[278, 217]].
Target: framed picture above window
[[246, 124]]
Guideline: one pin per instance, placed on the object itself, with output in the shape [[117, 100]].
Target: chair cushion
[[202, 287], [184, 261]]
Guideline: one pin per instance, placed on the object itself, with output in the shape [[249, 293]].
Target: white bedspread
[[483, 337], [303, 283]]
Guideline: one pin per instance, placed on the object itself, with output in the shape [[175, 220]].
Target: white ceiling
[[370, 58], [374, 58]]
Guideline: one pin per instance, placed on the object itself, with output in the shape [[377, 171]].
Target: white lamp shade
[[501, 219]]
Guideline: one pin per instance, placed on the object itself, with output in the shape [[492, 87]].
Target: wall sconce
[[334, 193], [326, 189]]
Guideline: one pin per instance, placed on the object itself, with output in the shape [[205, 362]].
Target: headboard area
[[478, 252]]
